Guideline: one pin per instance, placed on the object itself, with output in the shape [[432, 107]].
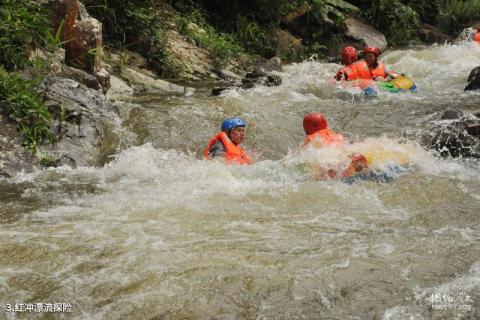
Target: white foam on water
[[157, 225]]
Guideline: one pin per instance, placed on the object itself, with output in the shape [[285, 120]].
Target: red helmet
[[349, 55], [314, 122], [373, 50]]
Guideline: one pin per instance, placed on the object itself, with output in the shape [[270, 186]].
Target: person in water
[[349, 56], [369, 68], [226, 144], [378, 71], [476, 36], [319, 135]]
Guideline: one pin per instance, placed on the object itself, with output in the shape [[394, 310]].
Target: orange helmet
[[314, 122], [349, 55]]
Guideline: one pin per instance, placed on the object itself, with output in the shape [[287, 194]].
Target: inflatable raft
[[371, 88], [398, 85], [377, 165]]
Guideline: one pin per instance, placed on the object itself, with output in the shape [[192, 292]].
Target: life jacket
[[379, 71], [357, 70], [477, 37], [325, 137], [234, 154]]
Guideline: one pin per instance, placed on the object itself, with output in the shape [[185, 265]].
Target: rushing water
[[159, 233]]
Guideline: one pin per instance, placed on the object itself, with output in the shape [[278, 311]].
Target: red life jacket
[[234, 154], [379, 71], [477, 37], [325, 137], [357, 70]]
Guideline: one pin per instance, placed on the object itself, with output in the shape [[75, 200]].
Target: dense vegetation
[[226, 30], [24, 25]]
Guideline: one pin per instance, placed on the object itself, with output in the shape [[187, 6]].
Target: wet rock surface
[[456, 134], [473, 79], [87, 119], [364, 35], [430, 35], [13, 157], [264, 74], [144, 83]]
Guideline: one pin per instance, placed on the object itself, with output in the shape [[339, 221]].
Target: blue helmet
[[230, 123]]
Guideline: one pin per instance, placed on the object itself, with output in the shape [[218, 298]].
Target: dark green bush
[[137, 25], [19, 98], [426, 10], [253, 37], [23, 24], [222, 46], [456, 15], [399, 22]]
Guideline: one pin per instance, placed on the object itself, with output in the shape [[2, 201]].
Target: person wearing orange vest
[[319, 135], [476, 37], [226, 143], [377, 69], [349, 56], [355, 71], [368, 68]]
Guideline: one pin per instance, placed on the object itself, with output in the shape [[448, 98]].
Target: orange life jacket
[[325, 137], [379, 71], [357, 70], [477, 37], [234, 154]]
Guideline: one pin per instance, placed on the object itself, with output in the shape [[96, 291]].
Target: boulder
[[430, 35], [196, 62], [13, 157], [255, 79], [80, 76], [118, 89], [88, 121], [143, 82], [364, 35], [452, 115], [87, 130], [103, 78], [288, 47], [456, 134], [473, 79], [218, 90], [273, 64], [82, 35]]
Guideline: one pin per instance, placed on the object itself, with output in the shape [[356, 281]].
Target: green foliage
[[251, 35], [427, 10], [136, 25], [456, 15], [330, 11], [23, 24], [19, 98], [397, 21], [222, 46], [49, 161]]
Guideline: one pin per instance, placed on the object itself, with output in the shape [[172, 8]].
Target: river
[[158, 233]]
